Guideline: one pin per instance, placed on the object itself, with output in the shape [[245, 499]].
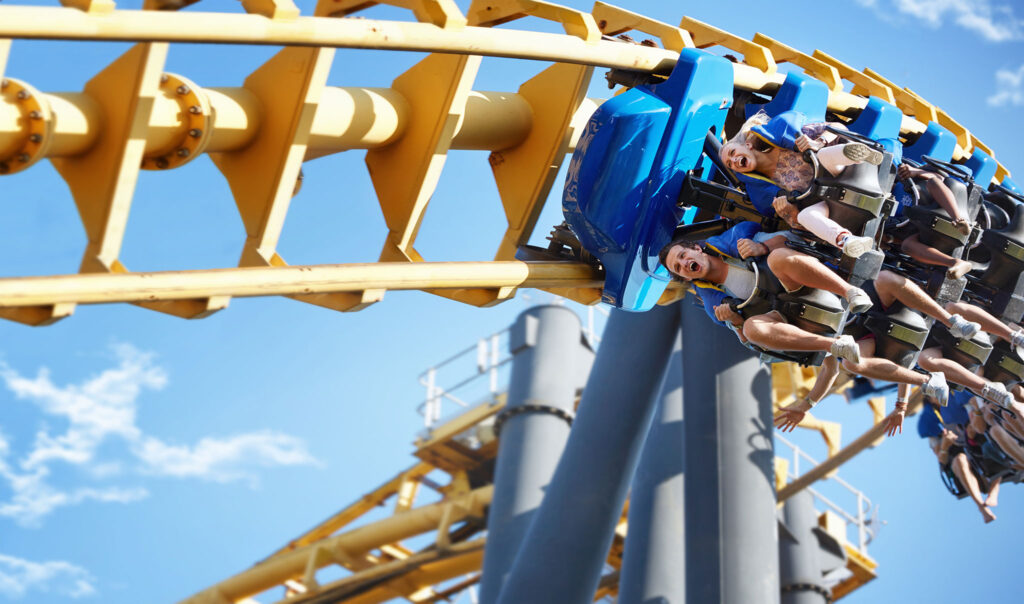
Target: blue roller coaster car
[[624, 180]]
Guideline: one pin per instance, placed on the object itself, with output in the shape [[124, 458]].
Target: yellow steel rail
[[290, 280]]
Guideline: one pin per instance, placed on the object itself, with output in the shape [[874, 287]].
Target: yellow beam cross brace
[[613, 20], [908, 102], [442, 13], [754, 54], [263, 175], [862, 83], [813, 67], [487, 13]]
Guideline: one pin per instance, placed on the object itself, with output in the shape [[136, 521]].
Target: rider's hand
[[786, 210], [790, 416], [723, 312], [749, 247], [804, 143], [906, 171], [895, 420]]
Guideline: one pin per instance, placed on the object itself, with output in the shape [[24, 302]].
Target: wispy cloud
[[99, 416], [1009, 88], [18, 577], [994, 20]]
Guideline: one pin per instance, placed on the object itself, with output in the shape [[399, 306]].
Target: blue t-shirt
[[954, 414]]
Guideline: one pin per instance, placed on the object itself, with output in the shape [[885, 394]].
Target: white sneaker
[[936, 388], [857, 300], [855, 247], [845, 347], [962, 328], [1017, 339], [996, 393]]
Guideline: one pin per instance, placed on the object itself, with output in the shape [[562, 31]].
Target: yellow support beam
[[276, 570], [754, 54]]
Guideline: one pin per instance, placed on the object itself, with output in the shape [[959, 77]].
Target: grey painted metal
[[549, 358], [806, 552], [654, 553], [730, 493], [562, 556], [798, 552]]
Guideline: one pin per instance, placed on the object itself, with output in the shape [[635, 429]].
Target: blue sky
[[143, 457]]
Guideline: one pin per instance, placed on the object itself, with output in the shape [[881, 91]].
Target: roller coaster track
[[133, 116]]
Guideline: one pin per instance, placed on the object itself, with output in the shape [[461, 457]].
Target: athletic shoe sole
[[862, 153]]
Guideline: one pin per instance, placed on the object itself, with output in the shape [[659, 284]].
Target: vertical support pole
[[654, 554], [564, 551], [799, 558], [547, 347], [730, 493]]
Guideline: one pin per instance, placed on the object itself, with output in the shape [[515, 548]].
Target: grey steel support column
[[799, 570], [564, 551], [550, 363], [730, 492], [655, 554], [806, 553]]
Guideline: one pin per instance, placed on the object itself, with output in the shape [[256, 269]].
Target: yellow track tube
[[277, 570], [290, 280]]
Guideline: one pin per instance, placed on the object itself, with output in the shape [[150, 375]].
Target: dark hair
[[663, 255]]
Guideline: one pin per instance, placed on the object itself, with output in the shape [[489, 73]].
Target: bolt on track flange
[[197, 116], [37, 125]]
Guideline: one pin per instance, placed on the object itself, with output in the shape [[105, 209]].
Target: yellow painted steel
[[291, 565], [290, 280], [614, 20]]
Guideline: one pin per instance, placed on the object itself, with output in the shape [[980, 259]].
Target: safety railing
[[478, 372], [863, 521]]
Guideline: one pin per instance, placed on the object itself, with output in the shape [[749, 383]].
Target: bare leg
[[769, 331], [882, 369], [794, 270], [993, 493], [891, 287], [989, 322], [944, 197], [963, 473], [913, 247], [931, 360], [1007, 443]]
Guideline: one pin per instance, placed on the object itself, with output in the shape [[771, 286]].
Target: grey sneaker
[[962, 328], [858, 300], [855, 247], [996, 393], [936, 388], [845, 347], [1017, 339], [862, 154]]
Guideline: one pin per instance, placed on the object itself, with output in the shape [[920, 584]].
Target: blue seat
[[629, 166], [798, 92], [935, 142], [983, 166]]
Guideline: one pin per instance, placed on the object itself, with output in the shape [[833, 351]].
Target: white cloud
[[18, 577], [100, 412], [994, 20], [1009, 88], [224, 459]]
